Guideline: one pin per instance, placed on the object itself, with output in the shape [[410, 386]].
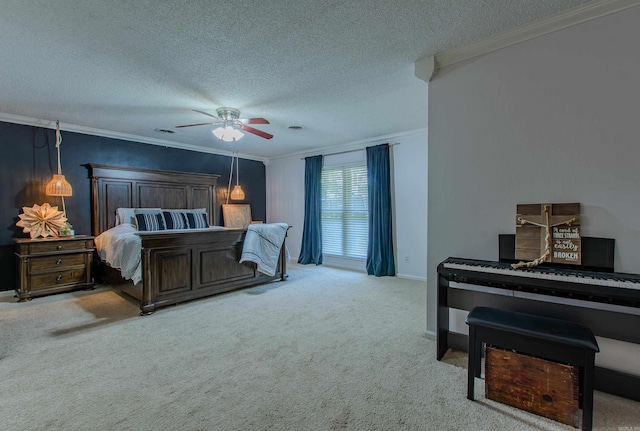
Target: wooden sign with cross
[[547, 233]]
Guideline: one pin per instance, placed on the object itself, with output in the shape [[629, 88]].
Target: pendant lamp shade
[[237, 194], [58, 186]]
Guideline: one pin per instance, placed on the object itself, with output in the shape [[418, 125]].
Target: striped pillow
[[150, 220], [197, 220], [128, 215], [174, 219]]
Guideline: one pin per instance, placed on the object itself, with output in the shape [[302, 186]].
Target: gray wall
[[285, 200], [553, 119]]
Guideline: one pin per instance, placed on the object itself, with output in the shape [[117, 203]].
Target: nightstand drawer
[[55, 262], [52, 246], [51, 279]]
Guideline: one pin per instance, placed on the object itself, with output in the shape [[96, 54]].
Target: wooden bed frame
[[176, 267]]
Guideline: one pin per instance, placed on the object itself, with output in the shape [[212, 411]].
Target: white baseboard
[[354, 264], [412, 277]]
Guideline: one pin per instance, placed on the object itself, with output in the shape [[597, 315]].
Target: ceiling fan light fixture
[[227, 133], [218, 132], [230, 126], [235, 133], [228, 114]]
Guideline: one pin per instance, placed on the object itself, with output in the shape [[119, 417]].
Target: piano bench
[[552, 339]]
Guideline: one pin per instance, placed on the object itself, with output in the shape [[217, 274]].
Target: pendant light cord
[[237, 171], [230, 177], [58, 142]]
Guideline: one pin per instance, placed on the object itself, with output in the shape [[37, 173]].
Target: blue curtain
[[311, 249], [380, 249]]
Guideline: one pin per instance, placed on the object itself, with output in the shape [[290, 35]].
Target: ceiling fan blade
[[198, 124], [256, 132], [207, 114], [254, 121]]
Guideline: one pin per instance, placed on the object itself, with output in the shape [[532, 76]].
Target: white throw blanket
[[120, 248], [262, 245]]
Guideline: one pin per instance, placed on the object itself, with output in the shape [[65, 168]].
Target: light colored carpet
[[326, 350]]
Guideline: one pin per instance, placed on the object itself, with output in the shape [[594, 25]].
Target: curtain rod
[[347, 151]]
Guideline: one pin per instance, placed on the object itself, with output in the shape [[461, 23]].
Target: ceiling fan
[[229, 121]]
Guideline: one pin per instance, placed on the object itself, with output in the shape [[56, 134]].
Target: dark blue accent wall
[[28, 159]]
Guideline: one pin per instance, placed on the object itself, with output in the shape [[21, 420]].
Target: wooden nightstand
[[52, 265]]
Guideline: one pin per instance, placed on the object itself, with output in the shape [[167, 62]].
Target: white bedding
[[120, 248]]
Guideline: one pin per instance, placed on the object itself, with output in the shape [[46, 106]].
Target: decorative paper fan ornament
[[41, 220]]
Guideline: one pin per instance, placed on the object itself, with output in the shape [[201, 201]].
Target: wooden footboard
[[190, 265]]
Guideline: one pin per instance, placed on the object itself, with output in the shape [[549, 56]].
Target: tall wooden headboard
[[125, 187]]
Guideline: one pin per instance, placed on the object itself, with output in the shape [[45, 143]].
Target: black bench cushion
[[547, 328]]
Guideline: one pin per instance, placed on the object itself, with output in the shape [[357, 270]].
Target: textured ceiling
[[342, 69]]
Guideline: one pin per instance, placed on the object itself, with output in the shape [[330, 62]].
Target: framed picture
[[550, 232], [236, 215]]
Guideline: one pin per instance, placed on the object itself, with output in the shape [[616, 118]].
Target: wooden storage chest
[[539, 386]]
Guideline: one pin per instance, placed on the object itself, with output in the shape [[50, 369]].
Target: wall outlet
[[407, 259]]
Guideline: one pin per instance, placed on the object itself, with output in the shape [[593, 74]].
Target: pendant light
[[237, 194], [58, 186]]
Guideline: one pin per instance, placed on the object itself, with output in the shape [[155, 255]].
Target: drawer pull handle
[[58, 262], [59, 247], [58, 278]]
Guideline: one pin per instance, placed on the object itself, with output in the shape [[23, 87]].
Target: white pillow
[[127, 215]]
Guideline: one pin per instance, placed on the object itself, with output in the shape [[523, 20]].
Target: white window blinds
[[345, 211]]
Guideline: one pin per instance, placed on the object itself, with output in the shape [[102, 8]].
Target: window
[[345, 211]]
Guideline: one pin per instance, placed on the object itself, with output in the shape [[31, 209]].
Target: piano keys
[[594, 286]]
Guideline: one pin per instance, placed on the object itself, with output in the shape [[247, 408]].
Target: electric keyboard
[[609, 287]]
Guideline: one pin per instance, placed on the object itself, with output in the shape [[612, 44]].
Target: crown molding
[[561, 20], [51, 124], [354, 145]]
